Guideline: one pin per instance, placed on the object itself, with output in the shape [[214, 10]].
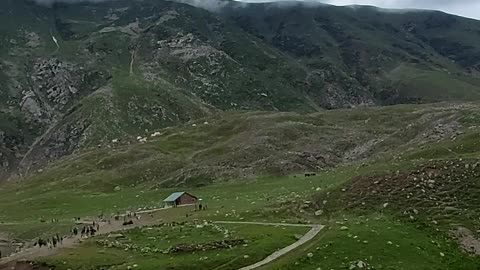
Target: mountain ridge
[[125, 67]]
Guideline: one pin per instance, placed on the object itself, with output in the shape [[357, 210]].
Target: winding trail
[[279, 253], [32, 252], [70, 242]]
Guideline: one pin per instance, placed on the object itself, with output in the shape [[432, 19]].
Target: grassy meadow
[[395, 208]]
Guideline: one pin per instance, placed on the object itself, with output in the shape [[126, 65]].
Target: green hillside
[[395, 186], [271, 113], [124, 67]]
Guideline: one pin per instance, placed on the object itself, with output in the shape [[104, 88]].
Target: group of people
[[89, 230], [50, 242], [200, 207], [53, 242]]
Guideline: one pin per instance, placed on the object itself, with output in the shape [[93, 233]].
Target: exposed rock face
[[33, 40], [169, 63], [56, 80], [30, 105], [54, 89], [55, 86]]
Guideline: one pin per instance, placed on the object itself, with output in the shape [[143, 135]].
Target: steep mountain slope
[[390, 53], [79, 76], [114, 75]]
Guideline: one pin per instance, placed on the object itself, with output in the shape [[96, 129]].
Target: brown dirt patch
[[22, 266]]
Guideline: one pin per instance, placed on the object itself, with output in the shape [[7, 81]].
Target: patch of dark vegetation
[[214, 245]]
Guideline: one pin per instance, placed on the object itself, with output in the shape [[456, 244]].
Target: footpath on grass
[[279, 253], [33, 253]]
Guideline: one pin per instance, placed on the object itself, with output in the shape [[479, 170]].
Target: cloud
[[51, 2], [467, 8], [211, 5]]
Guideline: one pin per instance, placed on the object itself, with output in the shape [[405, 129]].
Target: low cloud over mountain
[[467, 8]]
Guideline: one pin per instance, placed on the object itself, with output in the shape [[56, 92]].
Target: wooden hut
[[180, 198]]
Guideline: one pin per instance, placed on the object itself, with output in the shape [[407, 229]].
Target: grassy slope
[[74, 188], [244, 145], [433, 85], [380, 241], [262, 240]]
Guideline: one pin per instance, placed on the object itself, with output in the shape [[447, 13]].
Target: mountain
[[396, 56], [81, 76]]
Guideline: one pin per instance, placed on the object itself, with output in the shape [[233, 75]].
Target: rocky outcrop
[[56, 86], [467, 240]]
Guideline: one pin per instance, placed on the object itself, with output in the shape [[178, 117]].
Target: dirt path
[[32, 253], [266, 224], [115, 226], [22, 266], [277, 254]]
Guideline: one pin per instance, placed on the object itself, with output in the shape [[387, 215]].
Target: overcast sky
[[467, 8]]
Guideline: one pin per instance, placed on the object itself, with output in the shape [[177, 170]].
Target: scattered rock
[[467, 240], [115, 235]]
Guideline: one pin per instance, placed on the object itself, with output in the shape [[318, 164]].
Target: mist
[[51, 2], [466, 8], [210, 5]]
